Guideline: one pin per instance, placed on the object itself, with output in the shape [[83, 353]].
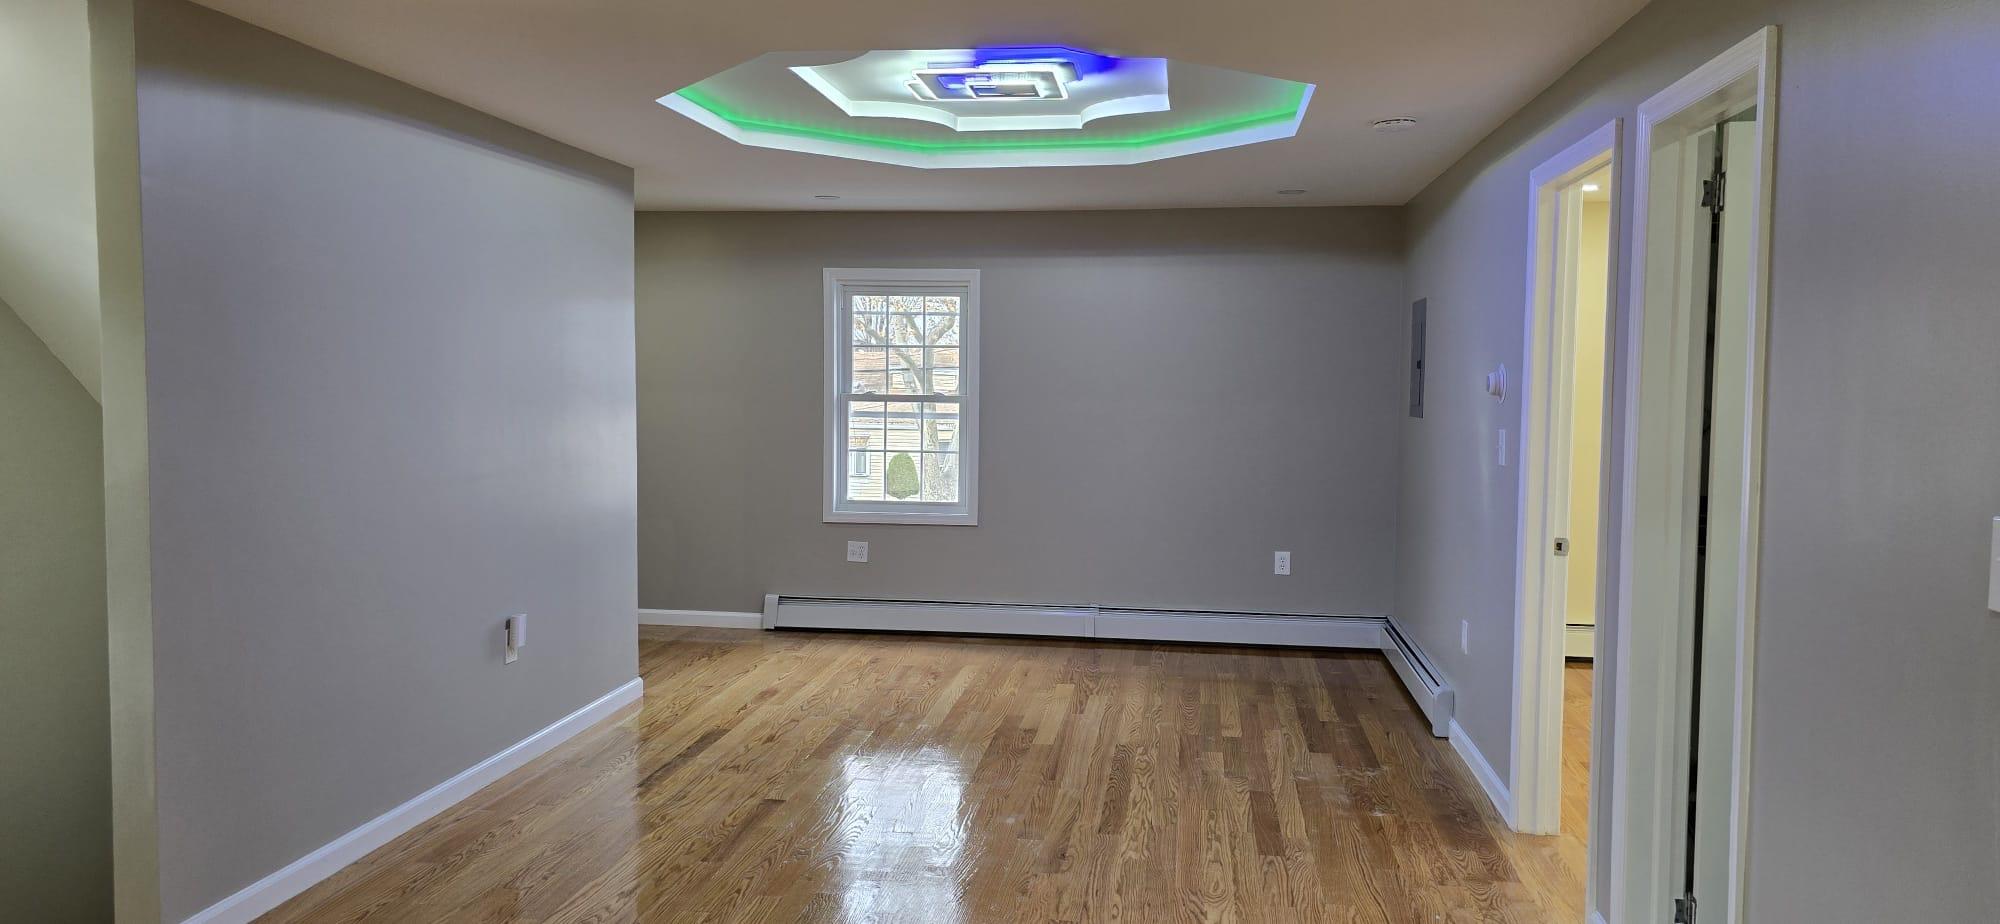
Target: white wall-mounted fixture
[[1281, 562], [1993, 580], [517, 636], [857, 551], [1496, 383]]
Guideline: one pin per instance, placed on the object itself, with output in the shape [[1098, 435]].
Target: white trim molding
[[839, 284], [1648, 782], [714, 619], [273, 890], [1482, 770], [1541, 574]]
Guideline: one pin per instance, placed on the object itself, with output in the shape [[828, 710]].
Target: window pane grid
[[903, 344], [899, 427]]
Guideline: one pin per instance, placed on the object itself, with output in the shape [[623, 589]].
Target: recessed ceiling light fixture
[[1398, 124], [1591, 187], [823, 197], [1007, 106], [1291, 192]]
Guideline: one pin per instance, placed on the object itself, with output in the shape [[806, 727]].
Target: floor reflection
[[816, 778], [903, 845]]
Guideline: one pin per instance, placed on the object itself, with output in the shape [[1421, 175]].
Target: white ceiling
[[587, 71]]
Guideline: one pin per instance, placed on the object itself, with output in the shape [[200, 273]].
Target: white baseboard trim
[[1596, 917], [1080, 621], [273, 890], [1496, 791], [714, 619], [1579, 641]]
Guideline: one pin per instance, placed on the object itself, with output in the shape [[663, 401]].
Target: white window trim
[[833, 464]]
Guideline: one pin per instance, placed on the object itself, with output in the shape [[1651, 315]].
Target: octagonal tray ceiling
[[588, 73], [1011, 106]]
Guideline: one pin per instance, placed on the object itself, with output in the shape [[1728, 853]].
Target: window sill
[[901, 519]]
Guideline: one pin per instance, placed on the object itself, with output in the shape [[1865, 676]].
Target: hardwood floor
[[1577, 681], [772, 776]]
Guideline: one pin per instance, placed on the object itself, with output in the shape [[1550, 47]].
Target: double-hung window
[[902, 396]]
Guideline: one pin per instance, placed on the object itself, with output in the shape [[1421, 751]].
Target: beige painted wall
[[1169, 397], [1586, 466], [55, 790], [1875, 779], [48, 219], [386, 376]]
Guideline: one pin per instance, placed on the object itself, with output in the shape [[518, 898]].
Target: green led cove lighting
[[997, 106], [1289, 111]]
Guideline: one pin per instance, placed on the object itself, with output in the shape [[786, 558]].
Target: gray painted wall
[[1169, 398], [389, 379], [55, 785], [1876, 762]]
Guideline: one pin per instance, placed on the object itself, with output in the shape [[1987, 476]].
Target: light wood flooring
[[776, 776]]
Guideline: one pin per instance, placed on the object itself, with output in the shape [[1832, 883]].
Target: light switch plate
[[1993, 578], [517, 636], [857, 551]]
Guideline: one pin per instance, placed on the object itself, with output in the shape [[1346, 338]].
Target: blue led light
[[1085, 62]]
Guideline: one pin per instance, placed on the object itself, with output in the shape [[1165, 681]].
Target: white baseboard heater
[[1425, 684]]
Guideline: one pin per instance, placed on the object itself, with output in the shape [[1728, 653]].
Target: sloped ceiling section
[[48, 216]]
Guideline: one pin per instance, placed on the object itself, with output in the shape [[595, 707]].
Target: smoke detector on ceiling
[[1398, 124]]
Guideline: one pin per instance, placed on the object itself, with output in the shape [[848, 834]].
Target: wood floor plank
[[833, 777]]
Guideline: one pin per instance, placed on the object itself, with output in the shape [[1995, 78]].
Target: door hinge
[[1684, 910], [1562, 546], [1712, 191]]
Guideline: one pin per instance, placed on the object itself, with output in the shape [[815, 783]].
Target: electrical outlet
[[1281, 562], [857, 551], [1465, 636]]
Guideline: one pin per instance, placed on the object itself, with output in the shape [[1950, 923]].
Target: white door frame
[[1540, 576], [1648, 769]]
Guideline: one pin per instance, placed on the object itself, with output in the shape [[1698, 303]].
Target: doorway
[[1573, 200], [1692, 423]]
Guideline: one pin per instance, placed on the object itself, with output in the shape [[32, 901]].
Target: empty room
[[1381, 463]]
